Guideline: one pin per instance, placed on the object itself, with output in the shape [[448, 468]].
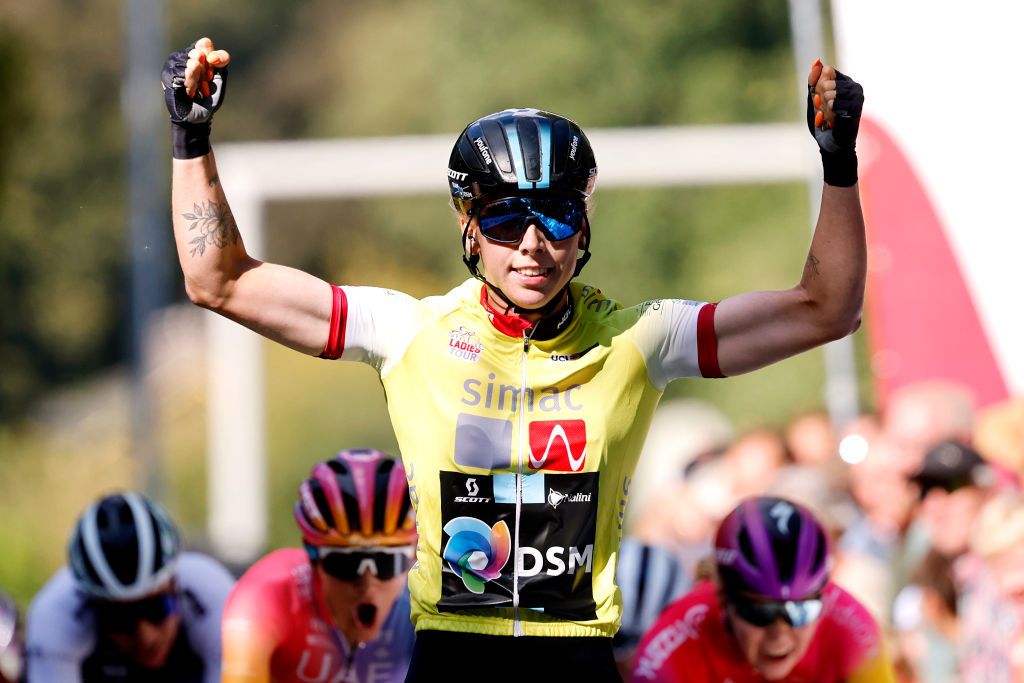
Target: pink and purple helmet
[[772, 548], [357, 498]]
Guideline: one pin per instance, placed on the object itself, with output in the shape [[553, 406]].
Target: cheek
[[748, 637]]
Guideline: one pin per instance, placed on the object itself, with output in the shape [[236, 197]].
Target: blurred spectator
[[920, 415], [649, 578], [955, 485], [998, 540], [12, 654], [129, 606], [925, 617], [683, 518], [810, 439], [682, 433], [880, 548], [754, 459], [999, 434]]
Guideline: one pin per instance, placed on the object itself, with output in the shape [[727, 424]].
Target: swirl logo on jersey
[[554, 518], [558, 445], [475, 551]]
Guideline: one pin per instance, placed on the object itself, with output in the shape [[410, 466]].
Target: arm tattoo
[[215, 224], [214, 181], [812, 264]]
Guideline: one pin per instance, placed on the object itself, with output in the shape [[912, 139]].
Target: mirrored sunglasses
[[123, 617], [762, 613], [506, 220], [348, 564]]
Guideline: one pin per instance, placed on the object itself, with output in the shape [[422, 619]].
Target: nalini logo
[[464, 345], [476, 551], [556, 498], [558, 445]]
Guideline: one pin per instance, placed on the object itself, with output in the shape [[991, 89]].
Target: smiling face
[[773, 650], [530, 273]]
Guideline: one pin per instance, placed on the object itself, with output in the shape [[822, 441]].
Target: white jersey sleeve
[[373, 325], [204, 585], [60, 632], [677, 339]]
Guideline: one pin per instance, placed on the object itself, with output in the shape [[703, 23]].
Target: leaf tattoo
[[812, 264], [216, 226]]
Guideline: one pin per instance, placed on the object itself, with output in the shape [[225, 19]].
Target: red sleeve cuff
[[336, 335], [707, 342]]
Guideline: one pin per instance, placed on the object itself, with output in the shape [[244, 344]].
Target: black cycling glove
[[190, 116], [838, 143]]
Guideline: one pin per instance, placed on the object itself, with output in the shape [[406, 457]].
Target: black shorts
[[446, 655]]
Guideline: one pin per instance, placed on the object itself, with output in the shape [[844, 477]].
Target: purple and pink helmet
[[772, 548], [357, 498]]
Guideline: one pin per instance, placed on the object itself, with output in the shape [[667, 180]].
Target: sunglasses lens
[[796, 613], [349, 566], [506, 220], [123, 617]]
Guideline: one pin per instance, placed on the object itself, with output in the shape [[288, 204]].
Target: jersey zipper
[[517, 626]]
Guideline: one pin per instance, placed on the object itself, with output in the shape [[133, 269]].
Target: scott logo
[[558, 445], [472, 491], [455, 175]]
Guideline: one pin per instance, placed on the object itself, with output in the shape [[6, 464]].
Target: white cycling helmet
[[124, 547]]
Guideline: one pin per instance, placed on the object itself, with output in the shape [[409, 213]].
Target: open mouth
[[367, 614], [532, 272]]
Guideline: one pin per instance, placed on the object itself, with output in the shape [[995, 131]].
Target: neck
[[543, 323]]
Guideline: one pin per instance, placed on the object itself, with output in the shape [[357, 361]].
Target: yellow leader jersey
[[519, 451]]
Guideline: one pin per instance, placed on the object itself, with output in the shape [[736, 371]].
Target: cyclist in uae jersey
[[771, 615], [338, 610], [130, 607], [520, 400]]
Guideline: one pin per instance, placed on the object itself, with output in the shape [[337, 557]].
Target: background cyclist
[[338, 610], [129, 606], [519, 403], [771, 614]]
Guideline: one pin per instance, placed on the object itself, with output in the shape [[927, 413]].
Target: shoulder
[[848, 623], [204, 576], [59, 616], [267, 586], [683, 630]]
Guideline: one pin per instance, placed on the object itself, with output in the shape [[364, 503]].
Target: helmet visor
[[505, 221]]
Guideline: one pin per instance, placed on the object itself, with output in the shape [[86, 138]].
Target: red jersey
[[276, 628], [691, 642]]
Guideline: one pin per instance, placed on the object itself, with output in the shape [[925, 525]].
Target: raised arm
[[759, 328], [283, 304]]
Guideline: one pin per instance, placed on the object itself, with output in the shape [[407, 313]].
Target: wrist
[[840, 167], [190, 140]]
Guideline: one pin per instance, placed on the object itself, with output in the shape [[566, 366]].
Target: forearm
[[210, 248], [836, 266]]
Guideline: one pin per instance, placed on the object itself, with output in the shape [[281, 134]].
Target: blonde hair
[[1000, 526]]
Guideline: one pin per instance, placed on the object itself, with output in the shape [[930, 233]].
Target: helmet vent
[[529, 143]]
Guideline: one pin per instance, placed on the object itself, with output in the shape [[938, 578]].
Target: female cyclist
[[770, 615], [520, 399], [337, 611]]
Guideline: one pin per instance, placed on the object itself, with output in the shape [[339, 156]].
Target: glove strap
[[189, 141], [840, 168]]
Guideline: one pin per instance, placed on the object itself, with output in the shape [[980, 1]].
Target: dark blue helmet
[[520, 152]]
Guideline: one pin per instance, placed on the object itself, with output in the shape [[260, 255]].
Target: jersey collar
[[548, 327]]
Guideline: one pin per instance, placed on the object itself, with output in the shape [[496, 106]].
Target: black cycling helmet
[[123, 548], [520, 151]]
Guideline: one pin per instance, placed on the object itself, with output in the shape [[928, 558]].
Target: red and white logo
[[559, 445]]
